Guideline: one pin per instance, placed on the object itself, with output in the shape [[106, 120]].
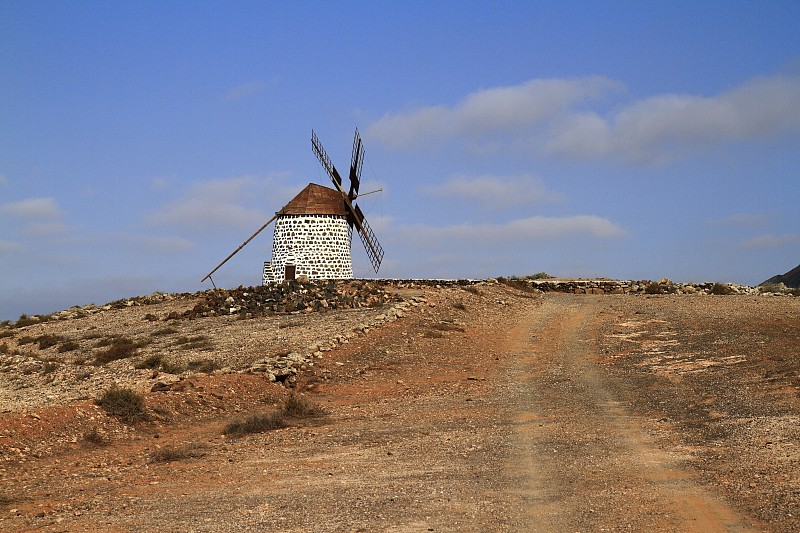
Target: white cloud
[[222, 204], [659, 127], [496, 192], [245, 90], [566, 117], [769, 241], [7, 247], [526, 229], [486, 111], [747, 220], [34, 208], [43, 229]]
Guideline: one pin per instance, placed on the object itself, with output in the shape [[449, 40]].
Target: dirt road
[[482, 410], [584, 461]]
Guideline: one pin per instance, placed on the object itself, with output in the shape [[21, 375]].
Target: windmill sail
[[354, 215], [356, 162], [368, 239], [319, 151]]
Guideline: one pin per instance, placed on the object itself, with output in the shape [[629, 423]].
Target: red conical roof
[[315, 200]]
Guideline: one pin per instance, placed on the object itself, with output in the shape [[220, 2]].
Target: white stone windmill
[[313, 232]]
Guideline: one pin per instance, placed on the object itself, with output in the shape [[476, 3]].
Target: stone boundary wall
[[600, 286]]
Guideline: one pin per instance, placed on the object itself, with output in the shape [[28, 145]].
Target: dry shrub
[[299, 407], [472, 289], [25, 320], [95, 437], [124, 404], [168, 454], [653, 288], [47, 341], [200, 342], [517, 283], [203, 365], [151, 361], [120, 348], [721, 288], [255, 423], [68, 346], [164, 331], [295, 408]]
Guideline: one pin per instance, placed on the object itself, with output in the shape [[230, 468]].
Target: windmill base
[[310, 246]]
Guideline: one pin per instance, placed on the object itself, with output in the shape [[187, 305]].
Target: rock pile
[[289, 297]]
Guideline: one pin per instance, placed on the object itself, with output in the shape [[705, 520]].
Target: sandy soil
[[482, 409]]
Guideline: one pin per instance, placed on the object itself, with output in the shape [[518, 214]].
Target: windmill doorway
[[289, 272]]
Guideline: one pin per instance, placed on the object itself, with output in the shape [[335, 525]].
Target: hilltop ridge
[[790, 279]]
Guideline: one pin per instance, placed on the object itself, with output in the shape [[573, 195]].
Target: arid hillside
[[498, 405]]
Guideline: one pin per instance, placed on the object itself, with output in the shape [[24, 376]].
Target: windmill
[[313, 232]]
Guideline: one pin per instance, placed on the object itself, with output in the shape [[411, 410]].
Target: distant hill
[[790, 279]]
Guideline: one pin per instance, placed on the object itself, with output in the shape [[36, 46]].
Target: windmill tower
[[313, 232]]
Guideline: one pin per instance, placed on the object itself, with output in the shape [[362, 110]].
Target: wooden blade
[[371, 244], [319, 151], [356, 162], [240, 247]]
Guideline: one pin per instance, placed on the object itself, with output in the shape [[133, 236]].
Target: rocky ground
[[479, 406]]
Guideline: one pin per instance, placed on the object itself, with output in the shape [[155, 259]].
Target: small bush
[[772, 287], [95, 437], [200, 342], [541, 275], [460, 306], [26, 339], [653, 288], [4, 348], [518, 284], [152, 361], [300, 407], [25, 320], [68, 346], [109, 340], [170, 367], [255, 423], [124, 404], [7, 499], [7, 333], [48, 341], [472, 289], [150, 317], [121, 348], [163, 331], [720, 288], [168, 454], [203, 365], [49, 367]]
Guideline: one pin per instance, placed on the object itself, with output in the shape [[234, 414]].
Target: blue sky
[[141, 142]]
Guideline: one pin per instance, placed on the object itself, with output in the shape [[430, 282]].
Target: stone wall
[[317, 245]]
